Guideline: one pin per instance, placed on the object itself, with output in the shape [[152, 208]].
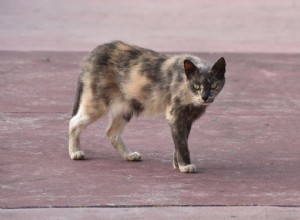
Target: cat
[[127, 80]]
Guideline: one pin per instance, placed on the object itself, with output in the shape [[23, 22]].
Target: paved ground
[[248, 153], [207, 213]]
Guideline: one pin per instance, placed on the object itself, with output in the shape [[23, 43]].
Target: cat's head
[[205, 81]]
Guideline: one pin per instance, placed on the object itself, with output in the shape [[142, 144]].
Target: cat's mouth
[[207, 102], [200, 101]]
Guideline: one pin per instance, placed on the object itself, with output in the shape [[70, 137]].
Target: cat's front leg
[[181, 160]]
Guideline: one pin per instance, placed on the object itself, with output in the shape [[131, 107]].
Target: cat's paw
[[78, 155], [135, 156], [187, 168]]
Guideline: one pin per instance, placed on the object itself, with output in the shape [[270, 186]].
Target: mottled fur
[[127, 80]]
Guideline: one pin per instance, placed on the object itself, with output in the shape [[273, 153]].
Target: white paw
[[135, 156], [188, 168], [78, 155]]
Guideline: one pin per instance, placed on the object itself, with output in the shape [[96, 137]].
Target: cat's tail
[[78, 96]]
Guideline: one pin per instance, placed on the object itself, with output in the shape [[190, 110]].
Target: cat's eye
[[213, 85], [196, 86]]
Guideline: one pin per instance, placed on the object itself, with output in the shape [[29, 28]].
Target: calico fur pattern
[[127, 80]]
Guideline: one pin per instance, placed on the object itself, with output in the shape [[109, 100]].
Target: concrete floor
[[248, 153], [135, 213]]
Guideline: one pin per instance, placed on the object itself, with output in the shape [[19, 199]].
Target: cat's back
[[121, 56]]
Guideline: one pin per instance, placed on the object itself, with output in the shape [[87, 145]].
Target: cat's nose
[[205, 95], [205, 98]]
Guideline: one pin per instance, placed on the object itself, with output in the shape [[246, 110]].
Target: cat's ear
[[189, 68], [219, 68]]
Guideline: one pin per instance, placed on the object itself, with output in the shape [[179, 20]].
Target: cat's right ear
[[189, 68]]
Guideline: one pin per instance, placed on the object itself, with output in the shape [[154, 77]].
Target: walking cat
[[127, 80]]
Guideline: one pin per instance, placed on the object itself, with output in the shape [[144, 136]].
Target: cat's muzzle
[[207, 101]]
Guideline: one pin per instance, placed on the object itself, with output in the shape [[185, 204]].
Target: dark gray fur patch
[[136, 106], [127, 117], [78, 96], [103, 54], [101, 57], [153, 69], [133, 54]]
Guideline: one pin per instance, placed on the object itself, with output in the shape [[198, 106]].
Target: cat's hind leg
[[85, 116], [114, 132], [76, 126]]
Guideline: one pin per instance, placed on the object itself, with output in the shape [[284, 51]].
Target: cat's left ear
[[189, 68], [219, 69]]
